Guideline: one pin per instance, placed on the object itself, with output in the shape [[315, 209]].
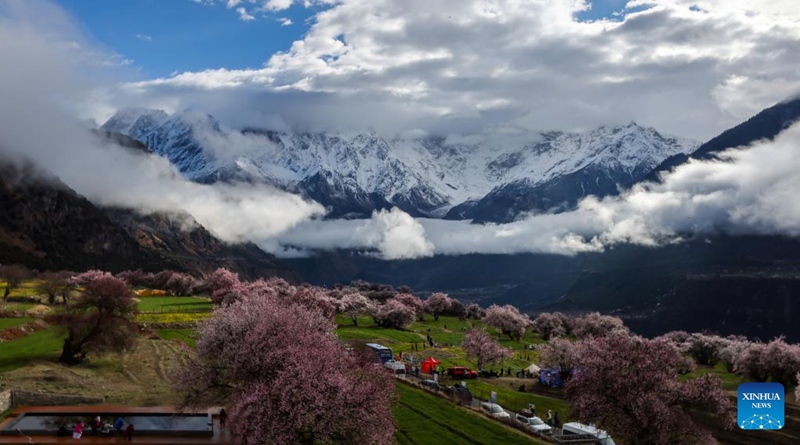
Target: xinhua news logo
[[761, 406]]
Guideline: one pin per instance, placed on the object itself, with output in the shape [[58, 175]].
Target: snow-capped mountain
[[355, 173]]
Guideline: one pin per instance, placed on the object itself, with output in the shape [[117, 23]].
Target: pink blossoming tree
[[481, 347], [630, 387], [414, 303], [597, 325], [285, 377], [549, 325], [560, 353], [354, 305], [100, 320], [394, 314], [508, 320], [437, 304], [474, 311]]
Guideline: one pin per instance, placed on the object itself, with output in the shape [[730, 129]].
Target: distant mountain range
[[354, 174]]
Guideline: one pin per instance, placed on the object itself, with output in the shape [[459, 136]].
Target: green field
[[448, 332], [174, 304], [37, 346], [514, 400], [6, 323], [730, 381], [424, 419], [183, 335]]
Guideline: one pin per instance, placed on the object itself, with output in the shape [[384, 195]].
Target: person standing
[[119, 424], [128, 434], [557, 420], [223, 418], [78, 431], [97, 424], [550, 417]]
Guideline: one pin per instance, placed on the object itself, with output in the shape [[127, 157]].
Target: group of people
[[554, 420], [99, 428]]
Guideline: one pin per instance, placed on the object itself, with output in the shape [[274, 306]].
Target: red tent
[[429, 365]]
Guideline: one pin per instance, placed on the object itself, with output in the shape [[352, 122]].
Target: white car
[[494, 410], [534, 423], [398, 368]]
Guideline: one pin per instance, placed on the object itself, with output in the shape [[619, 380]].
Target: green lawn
[[730, 381], [512, 399], [424, 419], [185, 335], [174, 304], [6, 323], [15, 306], [388, 337], [39, 345]]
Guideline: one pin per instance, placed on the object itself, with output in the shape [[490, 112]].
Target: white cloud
[[244, 15], [472, 66], [144, 38], [285, 21], [390, 234]]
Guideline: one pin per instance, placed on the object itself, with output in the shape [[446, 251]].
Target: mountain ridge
[[48, 226], [355, 173]]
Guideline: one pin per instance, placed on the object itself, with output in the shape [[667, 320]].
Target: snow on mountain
[[354, 173]]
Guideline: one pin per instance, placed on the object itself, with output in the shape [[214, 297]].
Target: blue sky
[[605, 9], [162, 37]]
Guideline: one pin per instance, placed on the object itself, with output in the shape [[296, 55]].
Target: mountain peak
[[126, 120]]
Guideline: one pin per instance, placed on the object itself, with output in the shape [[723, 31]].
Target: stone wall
[[5, 400], [26, 398]]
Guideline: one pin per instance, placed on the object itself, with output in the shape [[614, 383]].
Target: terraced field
[[424, 419]]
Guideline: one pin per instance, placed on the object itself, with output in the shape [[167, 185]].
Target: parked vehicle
[[534, 423], [578, 429], [494, 410], [460, 372], [398, 368], [382, 353], [486, 373], [431, 384], [459, 394]]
